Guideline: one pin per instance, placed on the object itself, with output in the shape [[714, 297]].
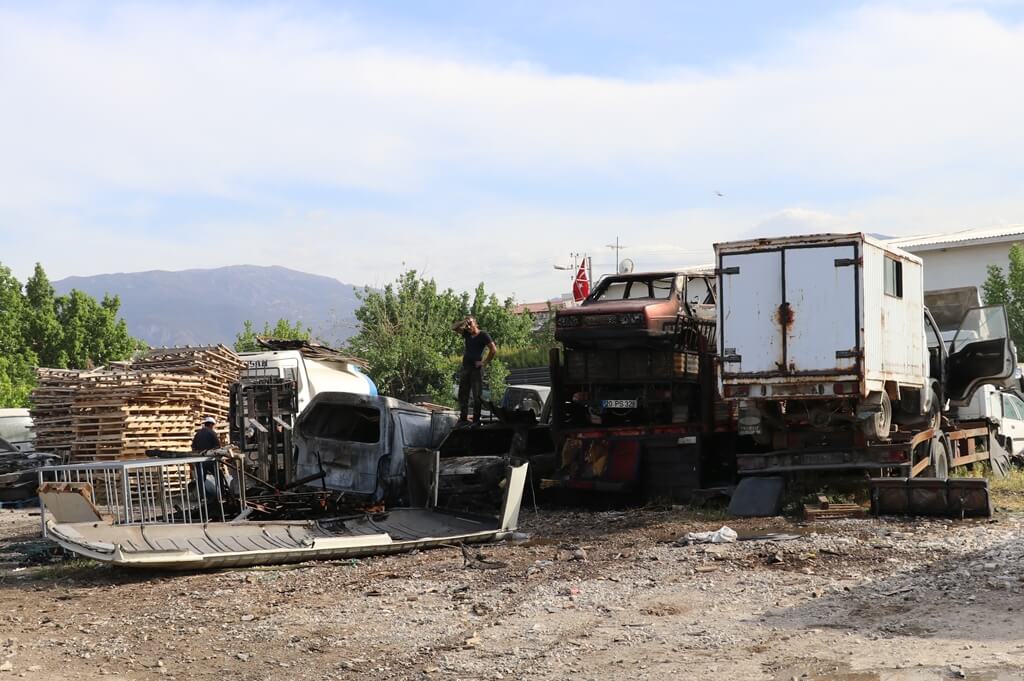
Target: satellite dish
[[625, 266]]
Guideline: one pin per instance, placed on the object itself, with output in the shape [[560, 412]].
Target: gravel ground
[[592, 595]]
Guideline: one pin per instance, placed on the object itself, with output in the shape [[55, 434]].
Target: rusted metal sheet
[[953, 498]]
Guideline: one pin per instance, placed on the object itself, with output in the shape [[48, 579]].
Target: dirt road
[[608, 595]]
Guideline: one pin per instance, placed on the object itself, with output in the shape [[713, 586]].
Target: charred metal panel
[[360, 441]]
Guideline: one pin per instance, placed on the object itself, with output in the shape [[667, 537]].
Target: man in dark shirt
[[473, 362], [206, 437]]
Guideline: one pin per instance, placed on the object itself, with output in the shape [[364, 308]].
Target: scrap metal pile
[[120, 412]]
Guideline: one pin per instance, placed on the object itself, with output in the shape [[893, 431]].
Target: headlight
[[631, 319], [567, 321]]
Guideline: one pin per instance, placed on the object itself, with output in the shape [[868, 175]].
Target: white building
[[957, 259]]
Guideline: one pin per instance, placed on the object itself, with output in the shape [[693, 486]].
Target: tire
[[877, 427], [939, 467]]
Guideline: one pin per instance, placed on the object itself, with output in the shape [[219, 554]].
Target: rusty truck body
[[834, 361], [634, 404]]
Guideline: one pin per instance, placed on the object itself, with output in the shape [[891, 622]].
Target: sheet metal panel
[[750, 298], [822, 300]]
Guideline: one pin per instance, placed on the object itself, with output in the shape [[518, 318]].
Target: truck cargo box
[[811, 316]]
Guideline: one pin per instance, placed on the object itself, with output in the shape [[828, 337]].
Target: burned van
[[358, 443]]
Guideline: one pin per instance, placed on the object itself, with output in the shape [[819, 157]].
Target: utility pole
[[617, 248], [574, 267]]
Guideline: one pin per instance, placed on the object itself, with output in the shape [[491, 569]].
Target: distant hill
[[197, 307]]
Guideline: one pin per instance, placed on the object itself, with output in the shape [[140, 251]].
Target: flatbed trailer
[[908, 454]]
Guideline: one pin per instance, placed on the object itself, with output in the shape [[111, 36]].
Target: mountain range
[[205, 306]]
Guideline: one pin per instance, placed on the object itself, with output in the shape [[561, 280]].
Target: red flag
[[581, 287]]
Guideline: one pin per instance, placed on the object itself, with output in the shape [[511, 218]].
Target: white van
[[16, 428], [311, 376]]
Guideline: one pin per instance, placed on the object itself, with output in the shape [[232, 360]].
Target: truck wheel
[[939, 467], [877, 426]]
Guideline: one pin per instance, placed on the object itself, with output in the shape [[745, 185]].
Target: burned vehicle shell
[[630, 309], [359, 442]]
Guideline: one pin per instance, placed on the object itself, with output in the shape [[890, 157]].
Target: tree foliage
[[405, 334], [40, 328], [1007, 288], [245, 341]]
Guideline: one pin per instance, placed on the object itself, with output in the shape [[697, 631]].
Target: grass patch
[[1008, 493], [703, 514], [73, 568]]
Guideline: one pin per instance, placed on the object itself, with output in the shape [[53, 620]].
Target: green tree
[[44, 332], [498, 319], [405, 334], [496, 377], [40, 328], [92, 333], [16, 358], [1007, 288], [245, 341]]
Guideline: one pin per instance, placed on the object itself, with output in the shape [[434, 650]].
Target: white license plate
[[618, 404]]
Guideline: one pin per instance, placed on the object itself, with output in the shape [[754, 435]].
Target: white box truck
[[829, 349], [312, 368]]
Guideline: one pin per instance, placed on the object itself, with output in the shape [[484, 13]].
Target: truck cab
[[311, 376]]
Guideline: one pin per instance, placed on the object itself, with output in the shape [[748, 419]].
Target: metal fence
[[142, 491]]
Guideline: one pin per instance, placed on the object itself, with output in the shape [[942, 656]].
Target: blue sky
[[486, 141]]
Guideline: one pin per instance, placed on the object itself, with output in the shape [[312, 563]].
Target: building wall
[[962, 265]]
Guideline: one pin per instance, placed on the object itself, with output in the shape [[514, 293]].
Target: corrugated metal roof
[[988, 234]]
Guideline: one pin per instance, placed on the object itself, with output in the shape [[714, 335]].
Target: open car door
[[981, 353]]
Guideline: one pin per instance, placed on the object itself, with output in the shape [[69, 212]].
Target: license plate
[[618, 404], [821, 459]]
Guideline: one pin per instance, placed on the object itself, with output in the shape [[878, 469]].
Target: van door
[[822, 328], [981, 353], [790, 311], [749, 295]]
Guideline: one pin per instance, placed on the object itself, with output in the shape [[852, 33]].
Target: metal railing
[[142, 491]]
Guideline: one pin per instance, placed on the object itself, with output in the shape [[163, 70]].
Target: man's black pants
[[470, 378]]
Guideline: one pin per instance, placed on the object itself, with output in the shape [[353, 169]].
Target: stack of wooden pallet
[[51, 409], [155, 402], [121, 414], [216, 366]]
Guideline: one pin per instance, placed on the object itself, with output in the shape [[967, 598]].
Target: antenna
[[625, 266], [616, 247]]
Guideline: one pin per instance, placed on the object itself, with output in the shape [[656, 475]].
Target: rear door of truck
[[790, 311]]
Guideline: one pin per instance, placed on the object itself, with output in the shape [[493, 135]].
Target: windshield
[[619, 288]]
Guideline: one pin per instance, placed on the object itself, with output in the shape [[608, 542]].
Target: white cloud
[[883, 119]]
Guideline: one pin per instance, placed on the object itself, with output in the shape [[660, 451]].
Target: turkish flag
[[581, 287]]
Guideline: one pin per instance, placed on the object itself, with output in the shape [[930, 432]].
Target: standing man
[[473, 362]]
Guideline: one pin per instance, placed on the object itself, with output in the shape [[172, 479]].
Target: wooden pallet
[[155, 402], [825, 510]]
